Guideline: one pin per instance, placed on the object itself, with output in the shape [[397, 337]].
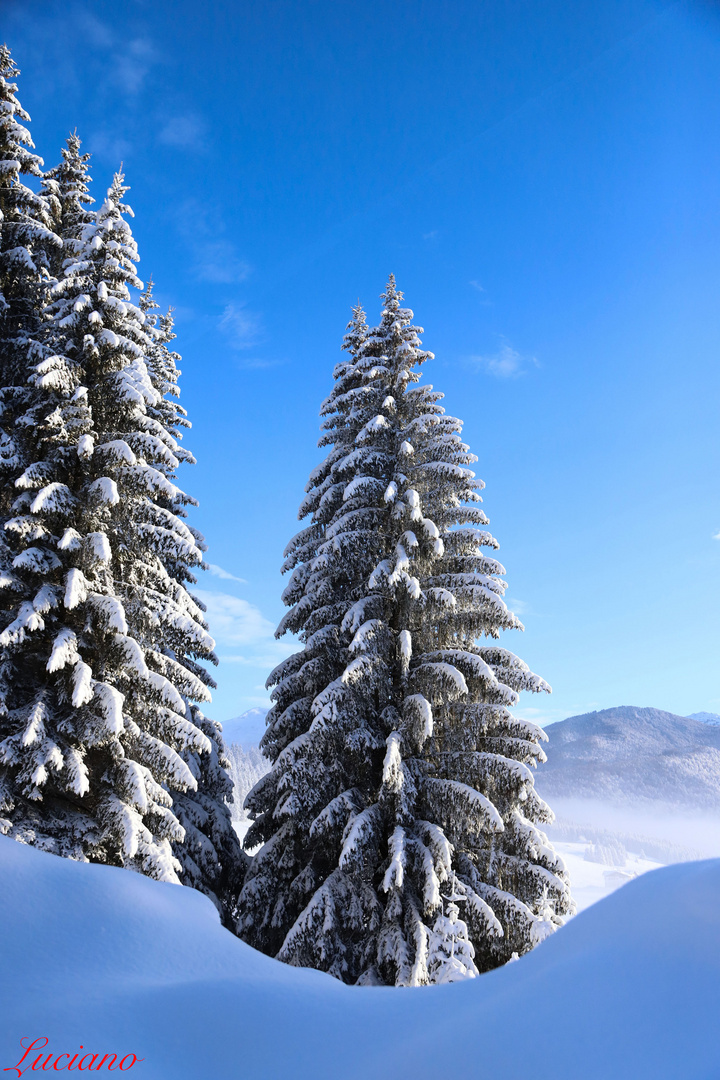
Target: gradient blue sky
[[543, 177]]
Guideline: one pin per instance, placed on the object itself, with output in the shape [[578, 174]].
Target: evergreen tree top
[[26, 236], [111, 234], [15, 140], [66, 188]]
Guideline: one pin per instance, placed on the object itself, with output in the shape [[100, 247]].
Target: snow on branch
[[395, 873], [360, 834], [392, 774], [64, 651], [439, 682], [105, 490], [457, 802]]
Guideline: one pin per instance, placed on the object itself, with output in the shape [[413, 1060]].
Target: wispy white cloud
[[257, 363], [234, 621], [246, 646], [430, 235], [109, 147], [132, 60], [242, 329], [184, 132], [542, 717], [95, 30], [716, 536], [506, 363], [245, 638], [241, 326], [272, 654], [133, 65], [483, 298], [530, 714], [219, 262], [201, 225], [537, 716], [217, 571]]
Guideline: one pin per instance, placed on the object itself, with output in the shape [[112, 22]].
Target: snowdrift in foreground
[[115, 962]]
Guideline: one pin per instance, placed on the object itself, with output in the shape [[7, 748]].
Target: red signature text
[[43, 1061]]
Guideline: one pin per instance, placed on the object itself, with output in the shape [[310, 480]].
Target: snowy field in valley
[[104, 958], [604, 846], [591, 881]]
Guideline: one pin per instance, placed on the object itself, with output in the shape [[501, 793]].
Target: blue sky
[[542, 178]]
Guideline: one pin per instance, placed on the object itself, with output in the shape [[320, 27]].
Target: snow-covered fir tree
[[402, 785], [26, 238], [331, 561], [25, 234], [66, 189], [451, 956], [103, 647], [210, 854]]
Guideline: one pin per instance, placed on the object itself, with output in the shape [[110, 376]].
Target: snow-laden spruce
[[66, 190], [399, 823], [104, 754], [26, 237], [209, 854]]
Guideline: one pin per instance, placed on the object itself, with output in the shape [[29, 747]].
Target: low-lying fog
[[604, 845]]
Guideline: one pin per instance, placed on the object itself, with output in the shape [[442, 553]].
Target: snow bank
[[106, 959]]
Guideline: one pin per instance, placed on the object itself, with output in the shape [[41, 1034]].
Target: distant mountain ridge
[[626, 755], [246, 729], [706, 718], [633, 755]]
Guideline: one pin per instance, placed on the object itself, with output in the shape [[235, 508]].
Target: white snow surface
[[112, 961]]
